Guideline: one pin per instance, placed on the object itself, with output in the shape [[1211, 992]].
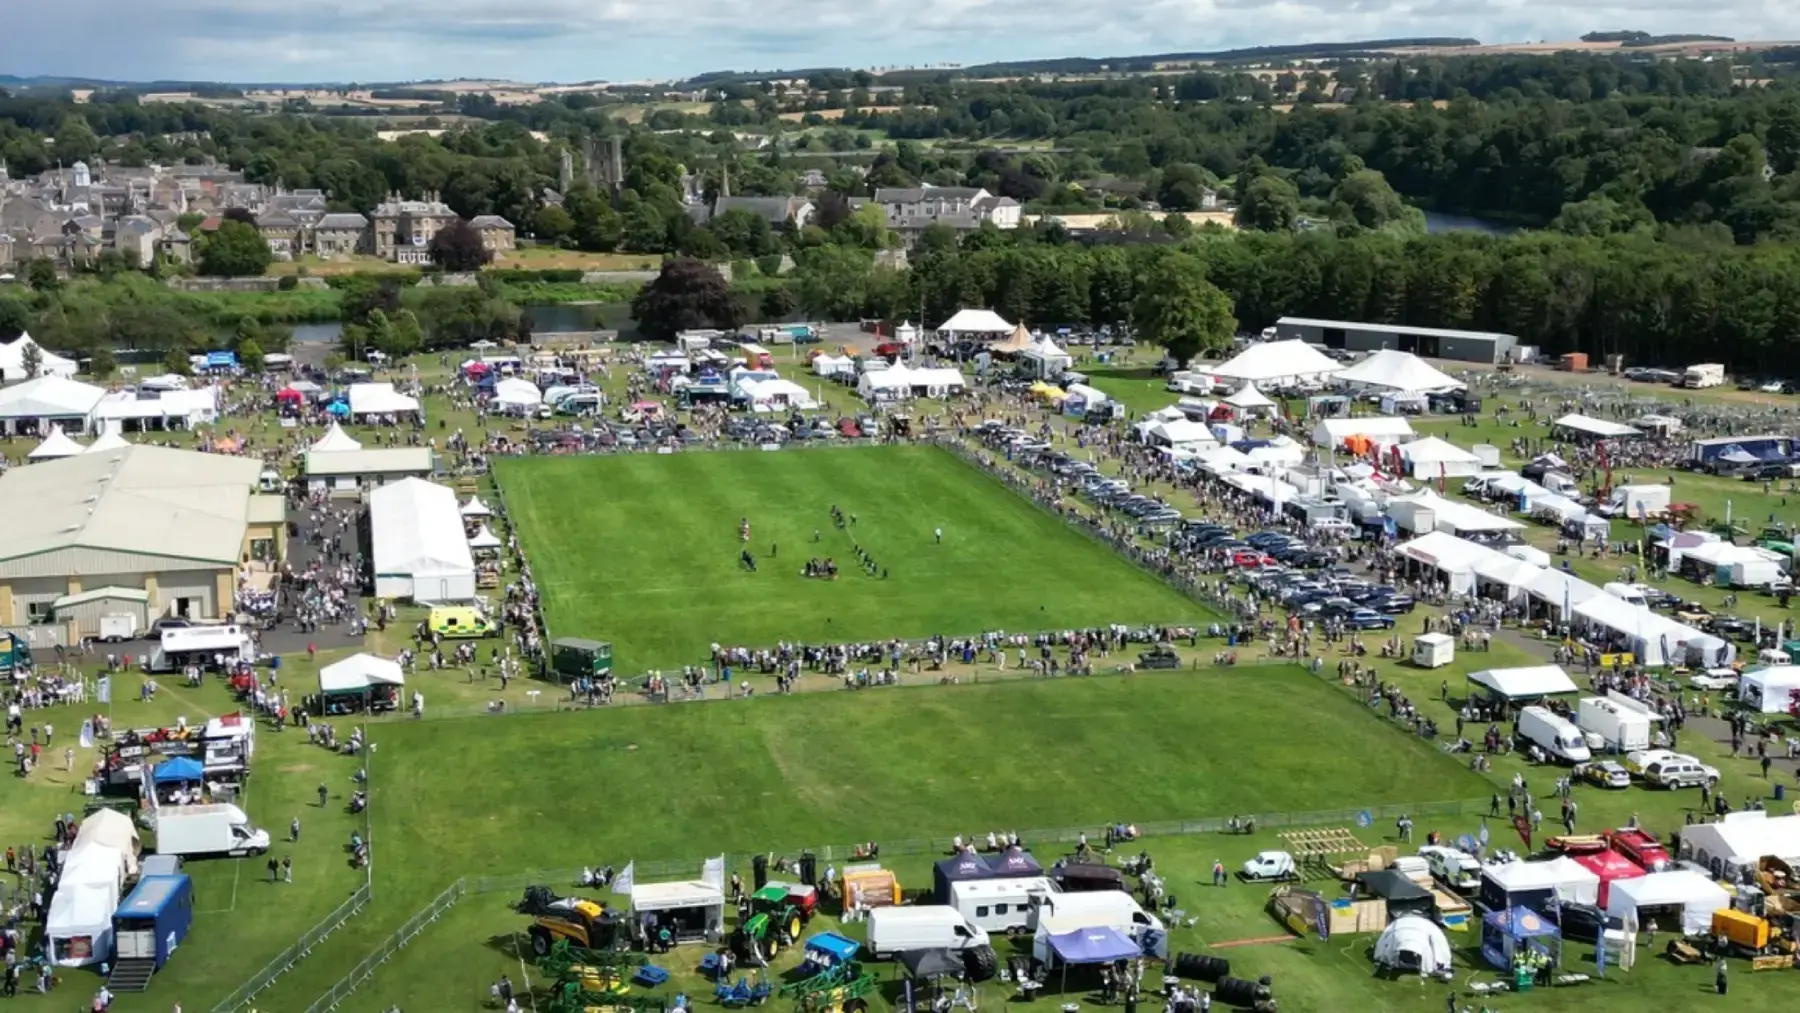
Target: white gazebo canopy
[[1248, 397], [1273, 361], [516, 392], [975, 322], [475, 507], [484, 539], [1525, 683], [1595, 427], [1400, 371], [108, 441], [57, 444], [360, 671], [336, 439], [379, 399]]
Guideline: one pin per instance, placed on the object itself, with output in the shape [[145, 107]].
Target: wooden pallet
[[1319, 843]]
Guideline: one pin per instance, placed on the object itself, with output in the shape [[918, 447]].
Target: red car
[[1246, 558]]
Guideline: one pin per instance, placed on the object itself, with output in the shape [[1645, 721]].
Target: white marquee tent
[[475, 507], [1249, 399], [1599, 428], [1525, 683], [975, 322], [903, 381], [513, 392], [484, 539], [1393, 370], [1435, 457], [50, 398], [419, 547], [380, 399], [1767, 689], [1045, 358], [336, 439], [108, 440], [1741, 838], [1561, 591], [360, 671], [1425, 511], [1277, 362], [767, 395], [1181, 433], [1696, 895], [1655, 639], [12, 361]]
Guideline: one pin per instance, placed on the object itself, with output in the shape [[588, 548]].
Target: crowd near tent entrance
[[1518, 937]]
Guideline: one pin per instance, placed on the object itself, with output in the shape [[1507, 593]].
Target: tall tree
[[686, 295], [234, 250], [458, 247], [1269, 204], [1179, 309]]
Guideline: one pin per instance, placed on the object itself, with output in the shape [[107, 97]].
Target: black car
[[1394, 605], [1731, 627]]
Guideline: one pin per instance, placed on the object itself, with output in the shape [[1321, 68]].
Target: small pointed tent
[[336, 439], [1018, 342], [1249, 399], [484, 539], [476, 508], [110, 441], [56, 445]]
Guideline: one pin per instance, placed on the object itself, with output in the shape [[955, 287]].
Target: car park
[[1368, 619]]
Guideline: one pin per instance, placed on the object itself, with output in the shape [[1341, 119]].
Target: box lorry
[[152, 921], [1705, 374], [1619, 729], [999, 905], [217, 829], [922, 927], [1560, 740]]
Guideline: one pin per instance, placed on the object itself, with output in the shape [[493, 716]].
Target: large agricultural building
[[1426, 342], [145, 530]]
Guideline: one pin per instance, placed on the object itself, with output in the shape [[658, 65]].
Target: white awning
[[1595, 427], [1525, 683], [975, 322], [360, 671]]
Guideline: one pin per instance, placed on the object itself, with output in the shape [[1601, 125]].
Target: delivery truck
[[217, 829], [150, 924], [1705, 374], [1559, 740], [895, 930]]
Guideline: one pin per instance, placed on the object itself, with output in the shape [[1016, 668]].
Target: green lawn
[[643, 550]]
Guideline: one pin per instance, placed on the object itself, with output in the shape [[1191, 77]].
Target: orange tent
[[1358, 444]]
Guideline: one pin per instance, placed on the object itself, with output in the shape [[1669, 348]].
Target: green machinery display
[[844, 997], [778, 912], [15, 654], [566, 960], [573, 658], [570, 997]]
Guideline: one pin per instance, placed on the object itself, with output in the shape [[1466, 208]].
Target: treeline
[[1655, 302]]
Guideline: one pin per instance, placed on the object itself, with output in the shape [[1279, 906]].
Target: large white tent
[[1333, 432], [1435, 457], [185, 406], [1696, 895], [1768, 689], [1425, 511], [380, 399], [902, 381], [1393, 370], [1741, 838], [1599, 428], [1277, 362], [49, 399], [108, 440], [1529, 683], [1181, 433], [1656, 640], [419, 547], [335, 439], [513, 392], [56, 445], [12, 361], [975, 322]]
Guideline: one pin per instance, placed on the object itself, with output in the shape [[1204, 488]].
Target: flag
[[1443, 476], [1484, 832], [623, 881], [103, 689], [1522, 824], [713, 873]]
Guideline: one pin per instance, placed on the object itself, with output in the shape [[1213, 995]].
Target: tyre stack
[[1246, 994], [1201, 967]]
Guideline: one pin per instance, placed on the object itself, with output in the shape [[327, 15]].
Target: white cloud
[[533, 40]]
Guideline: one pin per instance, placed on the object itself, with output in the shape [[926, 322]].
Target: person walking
[[324, 795], [287, 869], [274, 871], [1720, 983], [1219, 877], [294, 829], [938, 533]]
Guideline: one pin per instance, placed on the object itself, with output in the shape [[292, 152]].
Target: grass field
[[644, 551]]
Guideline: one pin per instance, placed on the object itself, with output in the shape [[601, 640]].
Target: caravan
[[999, 905]]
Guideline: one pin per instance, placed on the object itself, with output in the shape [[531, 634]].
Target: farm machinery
[[607, 972], [570, 997], [778, 913], [745, 993], [583, 923], [845, 996]]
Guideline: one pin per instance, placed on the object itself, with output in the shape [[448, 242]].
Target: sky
[[343, 41]]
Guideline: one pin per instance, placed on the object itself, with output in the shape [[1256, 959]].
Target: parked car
[[1368, 619], [1455, 868], [1680, 772], [1604, 774], [1271, 865], [1731, 628], [1394, 604], [1715, 679]]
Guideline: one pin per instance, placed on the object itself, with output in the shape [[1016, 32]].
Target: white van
[[1627, 593], [1099, 907], [1559, 739], [921, 927], [999, 905]]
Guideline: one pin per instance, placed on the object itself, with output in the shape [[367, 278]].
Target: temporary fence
[[303, 947], [466, 886]]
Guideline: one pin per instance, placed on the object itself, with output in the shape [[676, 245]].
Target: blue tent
[[1503, 931], [338, 408], [1014, 861], [179, 769], [1100, 945], [221, 360]]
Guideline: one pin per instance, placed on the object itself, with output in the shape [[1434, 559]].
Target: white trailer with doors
[[1704, 374], [1620, 729], [209, 646], [999, 905]]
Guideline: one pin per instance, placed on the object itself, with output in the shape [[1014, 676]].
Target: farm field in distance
[[643, 550]]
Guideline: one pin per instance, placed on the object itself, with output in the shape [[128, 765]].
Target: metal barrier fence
[[933, 846], [303, 947]]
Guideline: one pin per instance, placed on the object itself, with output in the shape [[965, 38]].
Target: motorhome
[[207, 646], [1560, 740], [922, 927], [999, 905], [1705, 374]]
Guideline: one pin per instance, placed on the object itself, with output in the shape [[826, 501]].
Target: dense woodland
[[1665, 193]]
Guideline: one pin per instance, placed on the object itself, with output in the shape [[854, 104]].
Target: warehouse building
[[146, 531], [1426, 342]]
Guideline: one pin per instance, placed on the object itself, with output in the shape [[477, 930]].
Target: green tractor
[[778, 914]]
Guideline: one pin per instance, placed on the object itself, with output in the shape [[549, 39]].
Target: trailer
[[1620, 729], [1705, 374], [148, 927]]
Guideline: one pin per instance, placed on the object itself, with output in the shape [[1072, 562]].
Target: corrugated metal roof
[[1352, 325], [382, 461], [149, 500]]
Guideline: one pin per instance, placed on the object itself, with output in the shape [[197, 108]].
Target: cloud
[[619, 40]]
